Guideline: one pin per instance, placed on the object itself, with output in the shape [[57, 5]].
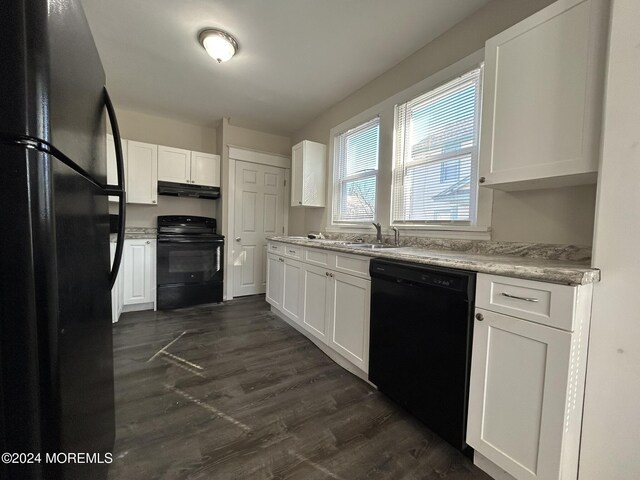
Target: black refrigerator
[[56, 359]]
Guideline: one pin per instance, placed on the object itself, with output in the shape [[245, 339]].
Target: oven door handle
[[171, 240]]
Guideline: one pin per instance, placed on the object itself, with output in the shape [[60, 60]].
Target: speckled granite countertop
[[136, 232], [544, 263]]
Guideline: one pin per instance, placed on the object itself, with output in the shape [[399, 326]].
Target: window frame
[[385, 109], [441, 158], [339, 183]]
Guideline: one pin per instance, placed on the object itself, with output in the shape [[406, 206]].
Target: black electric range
[[190, 261]]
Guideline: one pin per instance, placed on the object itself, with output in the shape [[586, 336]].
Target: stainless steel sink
[[370, 246]]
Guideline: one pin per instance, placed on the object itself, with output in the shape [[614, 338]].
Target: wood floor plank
[[239, 394]]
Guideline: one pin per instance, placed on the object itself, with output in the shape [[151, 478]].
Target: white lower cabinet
[[349, 319], [329, 305], [291, 293], [527, 379], [139, 272], [519, 389], [316, 302], [275, 280]]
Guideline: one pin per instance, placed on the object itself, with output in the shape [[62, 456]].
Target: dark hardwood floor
[[233, 392]]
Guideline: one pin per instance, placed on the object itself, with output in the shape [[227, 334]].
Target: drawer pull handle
[[281, 259], [292, 251], [526, 299]]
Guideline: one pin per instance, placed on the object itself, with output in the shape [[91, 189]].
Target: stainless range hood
[[188, 190]]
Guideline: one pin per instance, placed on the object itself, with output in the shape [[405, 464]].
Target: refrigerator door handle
[[119, 191]]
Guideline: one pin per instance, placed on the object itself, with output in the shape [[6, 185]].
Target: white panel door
[[174, 164], [518, 395], [275, 282], [205, 169], [259, 213], [292, 294], [138, 271], [142, 173], [315, 301], [349, 324]]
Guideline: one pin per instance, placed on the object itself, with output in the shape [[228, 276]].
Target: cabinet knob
[[153, 201], [300, 203], [479, 317], [238, 239], [148, 242], [482, 180], [281, 259]]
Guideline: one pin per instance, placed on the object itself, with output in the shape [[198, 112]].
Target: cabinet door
[[205, 169], [139, 271], [308, 171], [349, 320], [142, 173], [518, 395], [275, 280], [291, 295], [315, 302], [542, 94], [174, 164], [112, 169], [296, 175]]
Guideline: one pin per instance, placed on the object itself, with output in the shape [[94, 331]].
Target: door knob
[[479, 317], [238, 239]]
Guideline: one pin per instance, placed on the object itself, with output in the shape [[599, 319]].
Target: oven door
[[184, 261]]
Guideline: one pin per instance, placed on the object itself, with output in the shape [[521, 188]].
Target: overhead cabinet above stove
[[151, 169], [184, 166]]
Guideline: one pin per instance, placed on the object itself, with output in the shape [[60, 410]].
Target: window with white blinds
[[436, 154], [356, 173]]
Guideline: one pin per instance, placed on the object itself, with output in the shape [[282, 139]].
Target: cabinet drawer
[[294, 251], [277, 248], [545, 303], [317, 257], [352, 264]]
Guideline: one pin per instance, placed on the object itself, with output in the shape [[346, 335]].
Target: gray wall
[[554, 216]]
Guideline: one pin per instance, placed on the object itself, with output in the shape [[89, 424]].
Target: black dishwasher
[[420, 345]]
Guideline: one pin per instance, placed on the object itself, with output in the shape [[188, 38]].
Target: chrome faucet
[[396, 236], [378, 232]]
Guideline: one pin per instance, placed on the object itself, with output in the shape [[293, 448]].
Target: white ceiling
[[296, 57]]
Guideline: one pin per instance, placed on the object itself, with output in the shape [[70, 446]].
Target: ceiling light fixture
[[219, 44]]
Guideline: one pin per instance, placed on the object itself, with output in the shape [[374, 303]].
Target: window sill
[[464, 232]]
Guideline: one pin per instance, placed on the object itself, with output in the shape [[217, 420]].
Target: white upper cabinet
[[174, 164], [142, 173], [184, 166], [112, 167], [542, 96], [205, 169], [308, 172]]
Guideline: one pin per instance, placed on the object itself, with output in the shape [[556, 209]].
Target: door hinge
[[282, 229], [285, 182]]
